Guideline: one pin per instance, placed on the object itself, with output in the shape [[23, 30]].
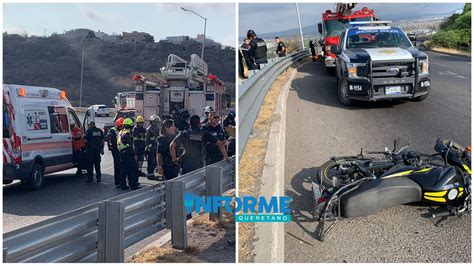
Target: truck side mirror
[[335, 49], [320, 28]]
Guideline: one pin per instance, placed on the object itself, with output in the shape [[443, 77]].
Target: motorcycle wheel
[[324, 171]]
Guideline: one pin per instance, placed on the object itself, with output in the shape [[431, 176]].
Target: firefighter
[[138, 134], [281, 47], [166, 167], [214, 140], [94, 149], [151, 135], [191, 141], [207, 110], [258, 49], [79, 147], [128, 159], [112, 145]]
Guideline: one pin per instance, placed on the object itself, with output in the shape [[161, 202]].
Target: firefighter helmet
[[119, 122], [140, 119], [128, 122]]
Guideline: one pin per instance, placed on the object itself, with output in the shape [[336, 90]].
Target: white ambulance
[[37, 138]]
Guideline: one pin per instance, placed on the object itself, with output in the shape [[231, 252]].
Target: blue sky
[[274, 17], [158, 19]]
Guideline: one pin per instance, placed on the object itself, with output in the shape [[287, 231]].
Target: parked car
[[100, 110], [36, 134]]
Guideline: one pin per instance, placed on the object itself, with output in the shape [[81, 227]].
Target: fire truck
[[186, 86], [334, 23]]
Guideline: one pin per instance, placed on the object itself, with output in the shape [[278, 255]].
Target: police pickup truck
[[375, 61]]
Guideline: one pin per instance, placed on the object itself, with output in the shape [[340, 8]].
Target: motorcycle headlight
[[352, 69], [424, 66]]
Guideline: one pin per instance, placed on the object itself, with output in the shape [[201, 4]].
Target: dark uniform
[[170, 169], [180, 120], [229, 121], [94, 146], [128, 166], [245, 53], [258, 51], [210, 136], [138, 134], [280, 51], [151, 135], [112, 145], [192, 142]]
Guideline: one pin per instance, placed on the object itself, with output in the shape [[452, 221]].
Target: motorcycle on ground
[[355, 186]]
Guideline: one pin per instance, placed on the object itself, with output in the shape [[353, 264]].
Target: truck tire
[[331, 70], [36, 178], [343, 92], [422, 97]]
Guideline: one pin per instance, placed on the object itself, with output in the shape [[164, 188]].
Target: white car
[[100, 110]]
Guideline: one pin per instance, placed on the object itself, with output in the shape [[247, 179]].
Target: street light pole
[[299, 23], [205, 23], [82, 73]]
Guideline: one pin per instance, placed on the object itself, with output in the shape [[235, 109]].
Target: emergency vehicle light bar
[[370, 23]]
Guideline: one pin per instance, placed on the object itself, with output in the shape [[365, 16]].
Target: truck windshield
[[336, 26], [377, 38]]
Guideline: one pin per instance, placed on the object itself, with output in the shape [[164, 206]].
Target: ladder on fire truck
[[345, 9], [176, 68]]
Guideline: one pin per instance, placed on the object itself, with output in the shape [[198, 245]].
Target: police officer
[[258, 49], [214, 140], [281, 47], [94, 148], [128, 159], [138, 134], [245, 48], [166, 167], [191, 141], [151, 135], [180, 119], [112, 135], [207, 110]]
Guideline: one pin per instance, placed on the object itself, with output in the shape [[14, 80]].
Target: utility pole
[[299, 23], [205, 22], [82, 73]]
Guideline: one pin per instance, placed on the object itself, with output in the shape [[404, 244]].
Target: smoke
[[90, 14]]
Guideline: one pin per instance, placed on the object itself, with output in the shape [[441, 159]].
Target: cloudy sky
[[160, 20], [277, 17]]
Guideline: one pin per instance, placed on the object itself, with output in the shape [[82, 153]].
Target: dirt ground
[[208, 241]]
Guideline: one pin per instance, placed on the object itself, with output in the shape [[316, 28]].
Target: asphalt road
[[63, 192], [319, 127]]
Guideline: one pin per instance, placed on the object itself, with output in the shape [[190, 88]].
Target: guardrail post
[[176, 214], [111, 247], [214, 181], [5, 254]]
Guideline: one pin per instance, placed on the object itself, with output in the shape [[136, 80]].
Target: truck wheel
[[36, 178], [331, 70], [343, 92], [422, 97]]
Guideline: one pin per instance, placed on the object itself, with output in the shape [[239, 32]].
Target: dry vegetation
[[252, 159]]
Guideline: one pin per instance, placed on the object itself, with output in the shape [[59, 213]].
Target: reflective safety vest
[[120, 145]]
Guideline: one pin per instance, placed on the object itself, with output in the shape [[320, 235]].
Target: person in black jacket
[[112, 145], [258, 49], [166, 167], [94, 139]]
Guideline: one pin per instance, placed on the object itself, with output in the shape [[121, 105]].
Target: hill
[[455, 32], [55, 61]]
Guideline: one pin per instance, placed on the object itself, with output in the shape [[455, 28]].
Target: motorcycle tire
[[322, 174]]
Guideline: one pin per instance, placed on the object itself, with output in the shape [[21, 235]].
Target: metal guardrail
[[252, 92], [100, 232]]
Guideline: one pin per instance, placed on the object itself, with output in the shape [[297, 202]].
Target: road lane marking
[[449, 73]]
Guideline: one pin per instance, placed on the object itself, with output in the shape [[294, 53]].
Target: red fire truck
[[333, 25]]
